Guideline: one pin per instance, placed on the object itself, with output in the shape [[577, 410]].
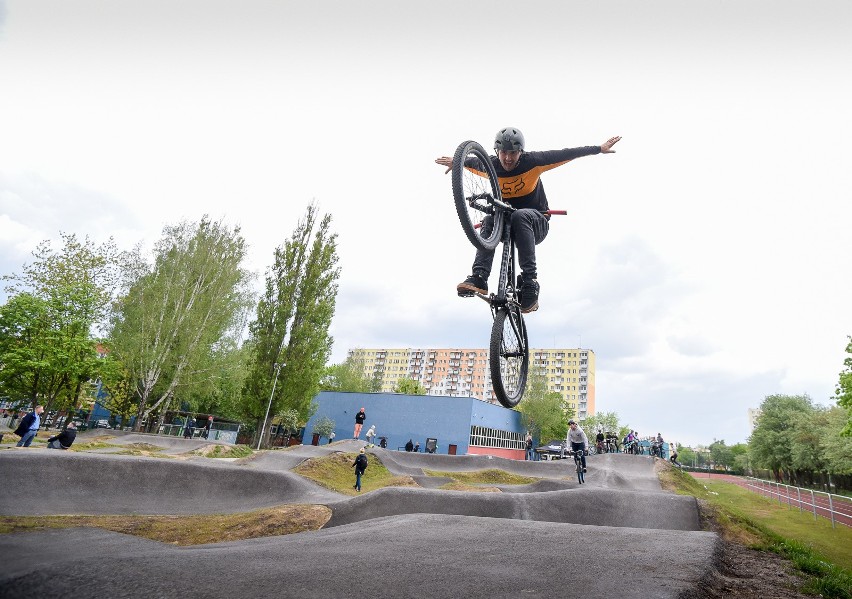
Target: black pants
[[579, 447], [529, 228]]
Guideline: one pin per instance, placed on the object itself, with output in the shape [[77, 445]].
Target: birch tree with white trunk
[[176, 311]]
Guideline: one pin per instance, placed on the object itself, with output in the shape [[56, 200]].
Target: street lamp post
[[277, 366]]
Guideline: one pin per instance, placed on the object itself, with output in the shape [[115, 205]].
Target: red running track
[[842, 506]]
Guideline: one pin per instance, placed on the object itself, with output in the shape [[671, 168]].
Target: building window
[[482, 436]]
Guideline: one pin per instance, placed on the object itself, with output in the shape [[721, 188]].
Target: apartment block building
[[460, 372]]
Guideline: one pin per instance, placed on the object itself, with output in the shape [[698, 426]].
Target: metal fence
[[222, 432], [828, 505]]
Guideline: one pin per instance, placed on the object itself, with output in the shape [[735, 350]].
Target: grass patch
[[143, 447], [813, 546], [188, 530], [492, 476], [334, 471], [90, 446], [457, 486], [235, 451], [147, 454]]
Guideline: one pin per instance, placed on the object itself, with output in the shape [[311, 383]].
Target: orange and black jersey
[[521, 187]]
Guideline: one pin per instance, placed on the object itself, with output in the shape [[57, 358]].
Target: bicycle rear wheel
[[475, 184], [509, 355]]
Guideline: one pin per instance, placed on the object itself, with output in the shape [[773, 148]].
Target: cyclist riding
[[519, 173], [578, 440]]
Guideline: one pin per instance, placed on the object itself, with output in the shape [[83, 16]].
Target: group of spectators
[[29, 424], [608, 442]]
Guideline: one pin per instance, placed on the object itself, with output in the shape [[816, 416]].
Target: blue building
[[461, 425]]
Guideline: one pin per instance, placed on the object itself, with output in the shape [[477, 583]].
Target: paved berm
[[618, 535]]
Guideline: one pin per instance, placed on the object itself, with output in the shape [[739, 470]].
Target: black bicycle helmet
[[509, 139]]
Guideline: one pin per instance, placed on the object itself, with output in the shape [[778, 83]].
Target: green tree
[[324, 426], [409, 387], [215, 386], [293, 320], [30, 369], [837, 447], [687, 456], [116, 384], [543, 413], [347, 376], [741, 456], [771, 443], [607, 422], [843, 393], [81, 277], [178, 310], [289, 419], [64, 295], [721, 454]]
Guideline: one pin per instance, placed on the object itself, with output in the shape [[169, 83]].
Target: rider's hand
[[606, 147], [445, 161]]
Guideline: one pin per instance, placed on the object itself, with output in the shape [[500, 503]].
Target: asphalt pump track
[[618, 535]]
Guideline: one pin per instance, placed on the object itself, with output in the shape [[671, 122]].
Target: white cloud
[[706, 259]]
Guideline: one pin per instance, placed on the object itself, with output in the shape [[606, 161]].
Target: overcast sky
[[707, 263]]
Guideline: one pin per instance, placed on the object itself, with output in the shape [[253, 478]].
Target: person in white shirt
[[578, 440]]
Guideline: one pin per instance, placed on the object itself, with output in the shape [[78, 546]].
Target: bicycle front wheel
[[475, 186], [580, 476], [509, 355]]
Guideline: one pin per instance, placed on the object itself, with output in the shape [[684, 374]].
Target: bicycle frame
[[506, 284]]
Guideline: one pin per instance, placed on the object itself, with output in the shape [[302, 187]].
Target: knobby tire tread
[[458, 172], [495, 349]]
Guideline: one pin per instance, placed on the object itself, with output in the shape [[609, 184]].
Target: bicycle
[[476, 191], [578, 462]]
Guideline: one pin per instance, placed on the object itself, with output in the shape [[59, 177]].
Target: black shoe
[[472, 284], [528, 296]]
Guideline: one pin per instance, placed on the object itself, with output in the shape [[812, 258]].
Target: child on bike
[[519, 175]]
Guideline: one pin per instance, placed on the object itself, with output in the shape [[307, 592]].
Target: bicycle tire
[[509, 355], [479, 181], [580, 477]]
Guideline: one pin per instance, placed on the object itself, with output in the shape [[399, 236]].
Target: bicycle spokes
[[475, 189], [509, 356]]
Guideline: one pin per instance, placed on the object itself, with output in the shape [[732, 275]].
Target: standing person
[[207, 426], [673, 452], [599, 441], [529, 443], [359, 422], [409, 446], [64, 439], [519, 173], [578, 440], [187, 428], [371, 434], [28, 427], [330, 437], [360, 465]]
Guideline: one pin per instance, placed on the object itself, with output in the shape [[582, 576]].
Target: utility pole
[[277, 366]]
